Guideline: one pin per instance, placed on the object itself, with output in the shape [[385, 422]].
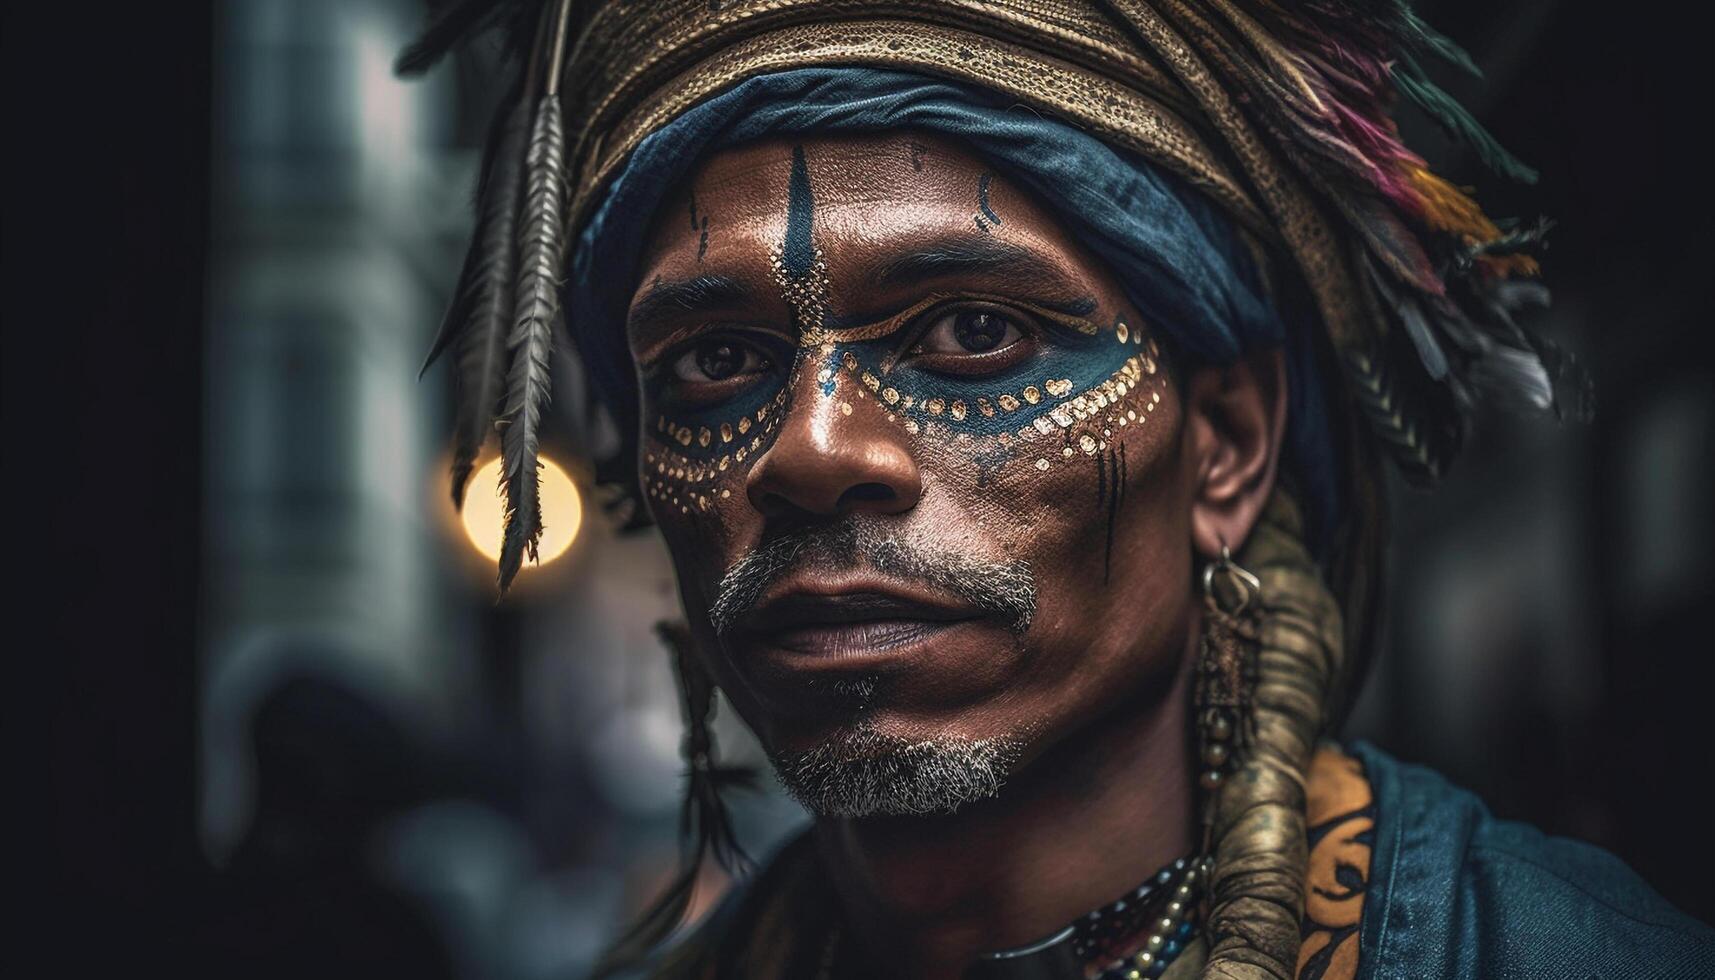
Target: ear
[[1235, 417]]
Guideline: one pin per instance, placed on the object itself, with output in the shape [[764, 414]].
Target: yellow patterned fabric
[[1342, 819]]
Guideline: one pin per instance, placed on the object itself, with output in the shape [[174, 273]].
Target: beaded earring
[[1226, 673]]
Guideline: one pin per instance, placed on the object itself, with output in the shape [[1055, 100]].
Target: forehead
[[847, 173], [867, 200]]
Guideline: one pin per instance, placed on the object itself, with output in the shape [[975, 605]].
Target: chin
[[868, 768]]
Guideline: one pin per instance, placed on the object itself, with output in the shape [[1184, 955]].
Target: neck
[[1073, 830]]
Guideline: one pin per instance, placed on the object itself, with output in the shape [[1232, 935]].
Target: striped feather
[[530, 344]]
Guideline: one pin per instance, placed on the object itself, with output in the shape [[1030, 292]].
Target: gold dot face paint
[[1053, 411], [1087, 380]]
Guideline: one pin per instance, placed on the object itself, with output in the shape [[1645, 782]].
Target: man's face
[[918, 462]]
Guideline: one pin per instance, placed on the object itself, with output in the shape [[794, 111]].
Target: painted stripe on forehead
[[798, 252], [797, 263]]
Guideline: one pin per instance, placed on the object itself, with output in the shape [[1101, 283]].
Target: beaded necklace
[[1103, 945]]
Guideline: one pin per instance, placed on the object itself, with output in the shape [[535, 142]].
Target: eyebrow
[[963, 255], [693, 295]]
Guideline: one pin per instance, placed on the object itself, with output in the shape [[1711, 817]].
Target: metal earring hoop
[[1247, 585]]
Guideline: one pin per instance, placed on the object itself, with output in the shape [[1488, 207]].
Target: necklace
[[1134, 937], [1163, 912]]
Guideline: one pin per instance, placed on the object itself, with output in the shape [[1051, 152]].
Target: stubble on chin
[[860, 771]]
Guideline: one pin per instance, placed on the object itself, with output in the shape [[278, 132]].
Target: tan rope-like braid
[[1257, 885]]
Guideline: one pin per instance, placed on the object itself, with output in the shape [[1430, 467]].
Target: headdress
[[1279, 113]]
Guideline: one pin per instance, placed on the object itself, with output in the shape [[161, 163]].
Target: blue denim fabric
[[1183, 265], [1456, 893]]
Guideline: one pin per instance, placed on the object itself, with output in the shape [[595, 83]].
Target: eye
[[718, 359], [969, 332], [974, 341]]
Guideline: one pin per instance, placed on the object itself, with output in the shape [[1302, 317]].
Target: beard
[[861, 772]]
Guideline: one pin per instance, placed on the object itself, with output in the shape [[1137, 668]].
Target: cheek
[[1094, 502], [1054, 459], [692, 470]]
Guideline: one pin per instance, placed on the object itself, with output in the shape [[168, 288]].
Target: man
[[1010, 382]]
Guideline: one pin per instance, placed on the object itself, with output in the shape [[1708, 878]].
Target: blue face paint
[[984, 211], [829, 371], [798, 267], [700, 225], [1079, 370], [1065, 397], [798, 252], [1073, 376]]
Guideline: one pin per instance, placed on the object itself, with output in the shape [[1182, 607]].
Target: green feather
[[1409, 78], [1419, 36]]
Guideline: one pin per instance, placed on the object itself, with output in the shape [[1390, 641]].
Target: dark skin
[[1113, 517]]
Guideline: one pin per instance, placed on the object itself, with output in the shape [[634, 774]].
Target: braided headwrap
[[1278, 114]]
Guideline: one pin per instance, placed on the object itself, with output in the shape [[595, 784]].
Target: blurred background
[[283, 724]]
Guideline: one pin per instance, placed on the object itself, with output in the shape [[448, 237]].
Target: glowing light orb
[[485, 512]]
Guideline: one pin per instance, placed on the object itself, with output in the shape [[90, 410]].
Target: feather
[[704, 818], [1411, 82], [1319, 79], [1511, 364], [466, 19], [1411, 316], [476, 321], [1512, 378], [530, 344], [1387, 239], [1419, 36], [1421, 449], [1508, 250], [1418, 422]]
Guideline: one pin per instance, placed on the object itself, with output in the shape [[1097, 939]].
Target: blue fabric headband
[[1182, 262]]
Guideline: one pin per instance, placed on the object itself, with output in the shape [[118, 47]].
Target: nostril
[[775, 505], [867, 493]]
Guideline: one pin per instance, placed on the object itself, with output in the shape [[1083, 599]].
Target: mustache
[[1005, 588]]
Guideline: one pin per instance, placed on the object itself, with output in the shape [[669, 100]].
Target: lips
[[856, 625]]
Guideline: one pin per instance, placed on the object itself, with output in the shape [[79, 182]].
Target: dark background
[[1549, 645]]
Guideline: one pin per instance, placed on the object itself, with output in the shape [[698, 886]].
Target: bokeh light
[[485, 511]]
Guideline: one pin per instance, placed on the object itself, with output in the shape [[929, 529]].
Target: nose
[[834, 453]]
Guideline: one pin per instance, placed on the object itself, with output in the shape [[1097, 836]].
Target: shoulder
[[1455, 892]]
